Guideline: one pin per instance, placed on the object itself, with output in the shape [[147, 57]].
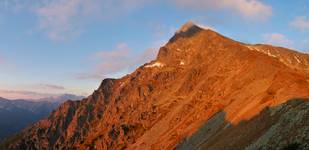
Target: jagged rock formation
[[197, 74]]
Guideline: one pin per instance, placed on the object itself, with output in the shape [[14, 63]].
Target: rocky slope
[[280, 127], [197, 74]]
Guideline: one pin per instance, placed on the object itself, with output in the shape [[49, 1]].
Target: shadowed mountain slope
[[18, 114], [197, 74], [279, 127]]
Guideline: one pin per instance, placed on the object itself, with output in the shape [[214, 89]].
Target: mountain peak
[[187, 26], [193, 77]]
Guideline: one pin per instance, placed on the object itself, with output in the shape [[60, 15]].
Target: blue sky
[[50, 47]]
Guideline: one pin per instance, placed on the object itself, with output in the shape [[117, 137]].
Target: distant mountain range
[[203, 91], [17, 114], [61, 98]]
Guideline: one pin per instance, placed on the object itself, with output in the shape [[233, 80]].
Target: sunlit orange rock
[[199, 77]]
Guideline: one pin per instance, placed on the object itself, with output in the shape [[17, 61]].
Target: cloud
[[117, 62], [301, 23], [12, 94], [249, 9], [122, 59], [37, 91], [277, 39], [63, 20], [66, 19], [50, 87]]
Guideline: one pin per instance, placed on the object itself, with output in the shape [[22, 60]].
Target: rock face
[[199, 77]]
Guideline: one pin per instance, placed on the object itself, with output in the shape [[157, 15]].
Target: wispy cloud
[[66, 19], [300, 22], [278, 39], [49, 87], [63, 19], [12, 94], [249, 9], [117, 62]]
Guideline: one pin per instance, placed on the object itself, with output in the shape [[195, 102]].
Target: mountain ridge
[[197, 74]]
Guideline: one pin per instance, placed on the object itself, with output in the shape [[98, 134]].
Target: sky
[[50, 47]]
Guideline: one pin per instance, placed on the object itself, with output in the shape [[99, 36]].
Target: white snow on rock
[[270, 54], [254, 48], [296, 58], [182, 63], [259, 50], [156, 64], [250, 47]]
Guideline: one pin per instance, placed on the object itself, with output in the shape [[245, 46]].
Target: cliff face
[[197, 74]]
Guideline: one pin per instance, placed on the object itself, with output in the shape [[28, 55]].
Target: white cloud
[[12, 94], [250, 9], [66, 19], [117, 62], [278, 39], [301, 23], [63, 19], [49, 87]]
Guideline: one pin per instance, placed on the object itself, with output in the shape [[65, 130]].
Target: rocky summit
[[203, 91]]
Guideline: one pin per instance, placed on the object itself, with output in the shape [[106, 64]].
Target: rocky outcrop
[[196, 75]]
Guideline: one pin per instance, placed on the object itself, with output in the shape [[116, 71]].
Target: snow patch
[[296, 58], [182, 63], [251, 48], [270, 54], [156, 64], [259, 50]]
